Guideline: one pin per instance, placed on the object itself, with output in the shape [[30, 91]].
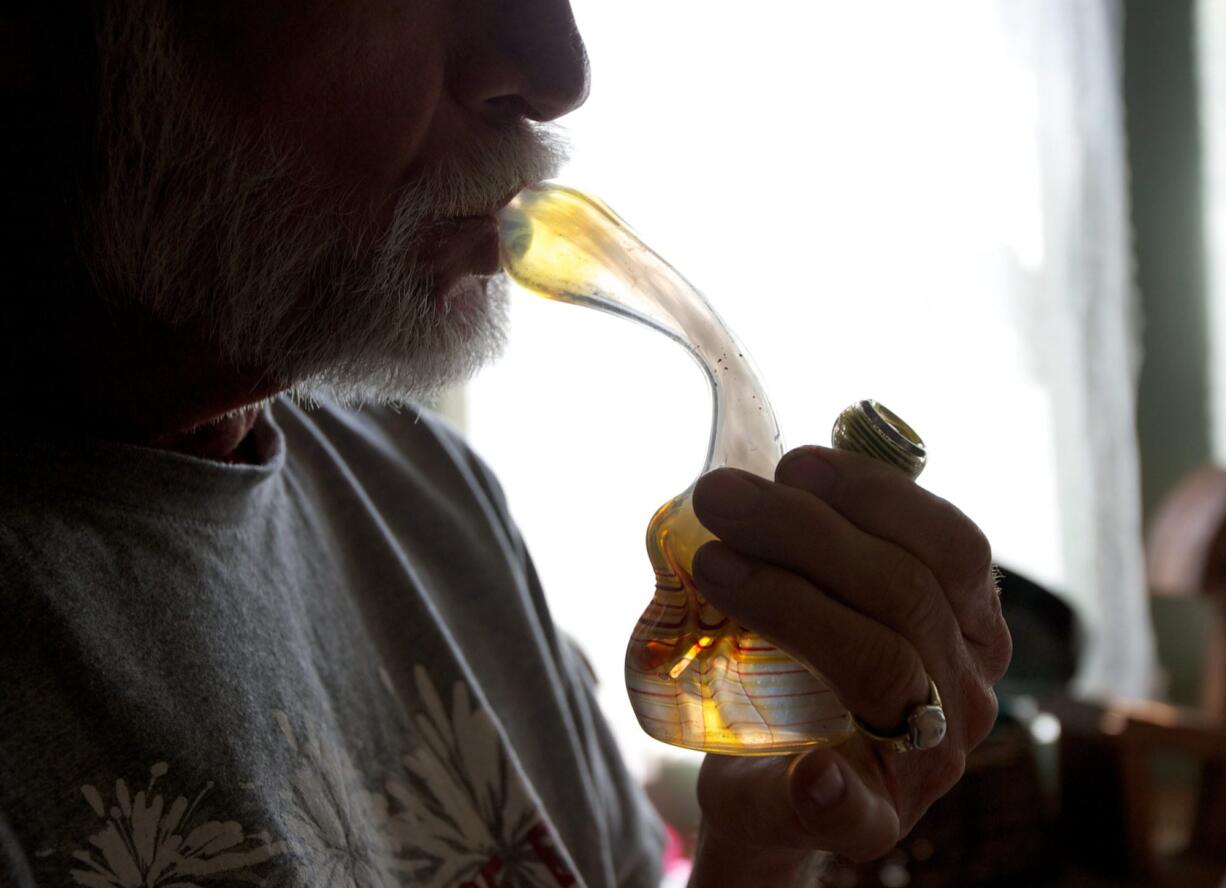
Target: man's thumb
[[815, 801]]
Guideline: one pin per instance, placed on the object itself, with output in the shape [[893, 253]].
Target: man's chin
[[467, 332], [469, 295]]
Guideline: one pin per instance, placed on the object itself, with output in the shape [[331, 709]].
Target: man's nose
[[533, 62]]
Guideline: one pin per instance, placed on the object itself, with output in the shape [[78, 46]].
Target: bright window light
[[855, 186]]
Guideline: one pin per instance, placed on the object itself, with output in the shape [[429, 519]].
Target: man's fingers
[[876, 673], [814, 801], [795, 530], [882, 501], [846, 813]]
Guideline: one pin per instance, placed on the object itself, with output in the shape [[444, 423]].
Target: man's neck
[[221, 440], [129, 380]]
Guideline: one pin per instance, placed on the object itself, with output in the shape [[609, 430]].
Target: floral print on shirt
[[145, 843], [455, 813]]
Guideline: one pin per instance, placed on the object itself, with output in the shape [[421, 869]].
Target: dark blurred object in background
[[1046, 639], [994, 827]]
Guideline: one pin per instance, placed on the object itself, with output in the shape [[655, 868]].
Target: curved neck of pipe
[[569, 247]]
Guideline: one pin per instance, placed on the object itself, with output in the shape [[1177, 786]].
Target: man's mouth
[[474, 238], [466, 245], [462, 247], [498, 206]]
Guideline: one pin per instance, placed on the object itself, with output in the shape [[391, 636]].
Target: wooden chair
[[1110, 805], [1108, 748], [1186, 558]]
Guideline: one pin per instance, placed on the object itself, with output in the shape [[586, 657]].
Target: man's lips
[[482, 232], [468, 245]]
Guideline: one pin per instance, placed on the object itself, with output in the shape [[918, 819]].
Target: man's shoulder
[[33, 548], [382, 441], [408, 423]]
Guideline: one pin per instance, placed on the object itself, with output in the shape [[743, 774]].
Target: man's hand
[[877, 584]]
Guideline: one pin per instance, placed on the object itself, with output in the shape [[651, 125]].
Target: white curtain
[[921, 203], [1083, 318], [1211, 63]]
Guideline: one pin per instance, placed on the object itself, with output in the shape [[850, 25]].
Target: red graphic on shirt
[[539, 840]]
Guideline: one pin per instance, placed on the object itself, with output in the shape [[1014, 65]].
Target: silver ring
[[925, 726]]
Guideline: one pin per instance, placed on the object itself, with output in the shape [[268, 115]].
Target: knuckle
[[981, 717], [974, 551], [917, 596], [893, 671], [812, 469], [978, 548], [880, 482], [965, 543], [992, 642], [804, 451], [947, 769], [865, 479], [999, 653], [791, 522], [996, 608], [988, 632]]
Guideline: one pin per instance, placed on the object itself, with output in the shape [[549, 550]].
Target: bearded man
[[254, 634]]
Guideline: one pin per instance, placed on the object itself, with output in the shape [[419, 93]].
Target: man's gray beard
[[235, 240]]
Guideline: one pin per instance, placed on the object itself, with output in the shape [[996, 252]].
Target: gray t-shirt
[[334, 667]]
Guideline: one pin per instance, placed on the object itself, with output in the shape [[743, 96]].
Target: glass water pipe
[[695, 677]]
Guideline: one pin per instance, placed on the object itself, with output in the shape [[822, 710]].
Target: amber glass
[[695, 678]]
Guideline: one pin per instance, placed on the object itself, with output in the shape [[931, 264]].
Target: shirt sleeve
[[634, 829]]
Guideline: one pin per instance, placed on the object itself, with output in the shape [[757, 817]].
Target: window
[[859, 190]]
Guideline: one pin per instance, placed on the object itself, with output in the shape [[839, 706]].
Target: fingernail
[[720, 566], [828, 786], [808, 471], [726, 494]]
